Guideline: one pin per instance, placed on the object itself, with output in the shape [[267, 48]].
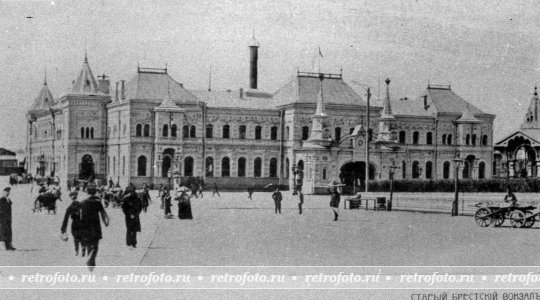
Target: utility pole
[[367, 139]]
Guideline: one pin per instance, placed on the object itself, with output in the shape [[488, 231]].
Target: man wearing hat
[[5, 220], [277, 200], [132, 206], [91, 211], [73, 211], [334, 203]]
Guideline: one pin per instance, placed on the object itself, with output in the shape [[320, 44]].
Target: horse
[[47, 200]]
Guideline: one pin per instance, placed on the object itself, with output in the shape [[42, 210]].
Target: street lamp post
[[457, 162], [368, 90], [391, 171]]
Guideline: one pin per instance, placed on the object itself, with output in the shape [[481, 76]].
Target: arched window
[[482, 170], [446, 170], [138, 130], [257, 164], [173, 130], [87, 132], [241, 167], [209, 166], [449, 139], [226, 133], [165, 132], [468, 139], [403, 169], [185, 131], [337, 134], [82, 132], [141, 166], [402, 137], [324, 174], [415, 138], [287, 133], [188, 166], [258, 132], [429, 138], [484, 140], [92, 132], [273, 133], [473, 140], [273, 167], [429, 167], [305, 133], [146, 130], [225, 167], [193, 131], [415, 170], [444, 139], [209, 131], [242, 132]]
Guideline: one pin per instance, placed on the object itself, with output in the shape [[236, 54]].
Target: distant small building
[[8, 162]]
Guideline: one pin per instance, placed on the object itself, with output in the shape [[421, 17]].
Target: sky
[[488, 51]]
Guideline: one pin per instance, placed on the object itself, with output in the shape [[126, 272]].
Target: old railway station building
[[145, 129]]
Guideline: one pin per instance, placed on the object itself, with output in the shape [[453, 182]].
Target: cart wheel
[[517, 219], [529, 221], [482, 217], [498, 219]]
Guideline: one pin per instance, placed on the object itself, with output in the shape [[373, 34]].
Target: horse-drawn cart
[[488, 214]]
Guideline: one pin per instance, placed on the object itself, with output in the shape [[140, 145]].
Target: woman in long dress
[[184, 204]]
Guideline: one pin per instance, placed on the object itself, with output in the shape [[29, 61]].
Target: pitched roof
[[44, 100], [445, 100], [411, 107], [467, 117], [86, 82], [304, 88], [231, 99], [156, 86]]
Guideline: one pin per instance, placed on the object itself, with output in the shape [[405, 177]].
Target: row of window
[[417, 170], [445, 139], [188, 166], [87, 132]]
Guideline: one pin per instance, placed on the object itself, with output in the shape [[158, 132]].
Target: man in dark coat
[[91, 211], [277, 200], [216, 191], [132, 207], [334, 203], [73, 212], [5, 220]]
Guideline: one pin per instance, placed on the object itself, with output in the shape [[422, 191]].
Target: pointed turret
[[387, 105], [532, 119], [319, 133], [86, 82], [45, 98]]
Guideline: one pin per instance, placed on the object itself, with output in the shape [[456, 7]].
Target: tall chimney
[[123, 89], [241, 93], [253, 60], [116, 94], [104, 84]]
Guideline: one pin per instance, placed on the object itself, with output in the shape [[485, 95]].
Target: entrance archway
[[525, 161], [166, 163], [86, 168], [354, 173]]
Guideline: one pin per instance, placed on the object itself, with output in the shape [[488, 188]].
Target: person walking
[[111, 183], [73, 212], [166, 198], [216, 191], [277, 200], [132, 206], [301, 202], [184, 204], [91, 211], [250, 193], [145, 197], [334, 203], [6, 234]]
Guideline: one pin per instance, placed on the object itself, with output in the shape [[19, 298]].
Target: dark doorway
[[86, 168], [166, 164], [354, 174]]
